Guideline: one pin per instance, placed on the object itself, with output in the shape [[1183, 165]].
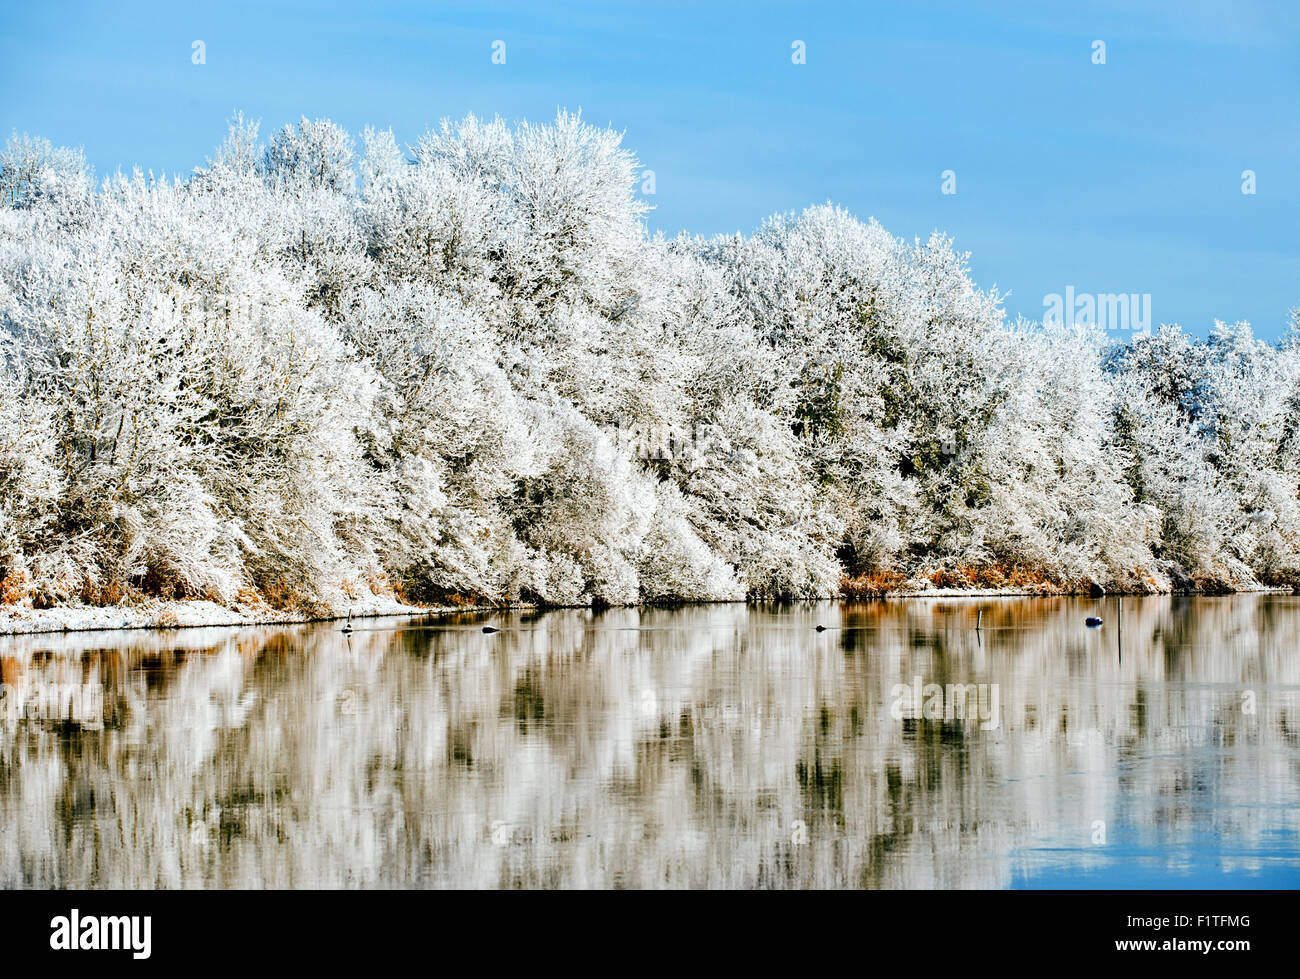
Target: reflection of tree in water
[[711, 746]]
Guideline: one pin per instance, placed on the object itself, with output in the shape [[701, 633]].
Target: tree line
[[313, 370]]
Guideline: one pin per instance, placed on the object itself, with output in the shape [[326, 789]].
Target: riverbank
[[158, 614]]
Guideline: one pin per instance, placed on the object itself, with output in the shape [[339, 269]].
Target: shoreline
[[197, 613], [194, 614]]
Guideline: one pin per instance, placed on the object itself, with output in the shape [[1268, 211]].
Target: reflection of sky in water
[[1201, 861], [709, 746]]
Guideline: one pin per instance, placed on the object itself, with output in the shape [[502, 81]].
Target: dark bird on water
[[821, 628], [347, 626], [1092, 622], [488, 628]]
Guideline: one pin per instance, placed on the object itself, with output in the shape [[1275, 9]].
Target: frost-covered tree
[[464, 369], [32, 171]]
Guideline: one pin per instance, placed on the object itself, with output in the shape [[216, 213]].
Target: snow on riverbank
[[156, 614]]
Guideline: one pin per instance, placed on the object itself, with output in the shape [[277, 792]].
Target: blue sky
[[1122, 177]]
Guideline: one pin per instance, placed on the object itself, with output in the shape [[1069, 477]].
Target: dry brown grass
[[104, 594], [1018, 576], [14, 588], [449, 599], [418, 592], [283, 596], [873, 584], [379, 584]]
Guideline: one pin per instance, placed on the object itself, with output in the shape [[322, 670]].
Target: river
[[705, 746]]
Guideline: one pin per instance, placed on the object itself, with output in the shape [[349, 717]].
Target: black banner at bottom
[[235, 929]]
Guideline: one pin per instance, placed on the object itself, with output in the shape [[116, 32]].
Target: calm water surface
[[715, 746]]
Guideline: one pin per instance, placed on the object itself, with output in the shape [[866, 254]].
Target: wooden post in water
[[1119, 628], [979, 618]]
